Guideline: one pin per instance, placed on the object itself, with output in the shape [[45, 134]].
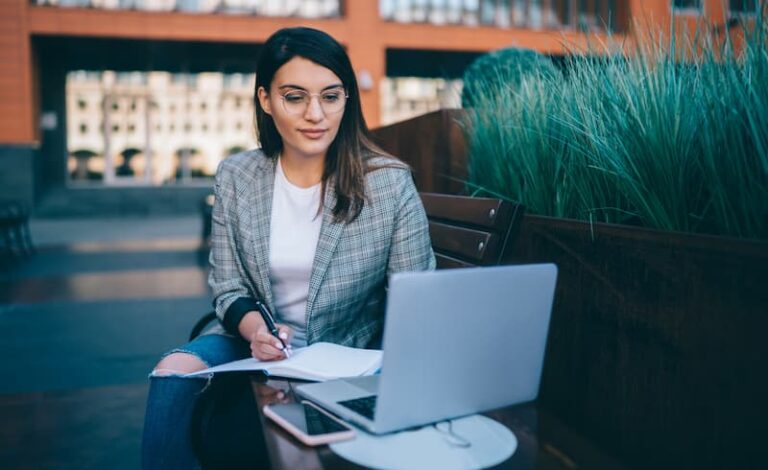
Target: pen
[[270, 322]]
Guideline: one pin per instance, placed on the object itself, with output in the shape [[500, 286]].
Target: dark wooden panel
[[472, 231], [433, 145], [657, 341], [448, 262], [483, 212], [466, 243]]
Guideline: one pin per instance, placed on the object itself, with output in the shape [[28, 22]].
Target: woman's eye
[[294, 97], [331, 97]]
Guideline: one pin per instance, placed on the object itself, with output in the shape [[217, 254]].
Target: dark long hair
[[347, 160]]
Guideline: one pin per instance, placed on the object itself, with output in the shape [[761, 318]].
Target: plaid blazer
[[347, 285]]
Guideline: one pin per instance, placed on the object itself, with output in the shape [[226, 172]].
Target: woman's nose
[[314, 111]]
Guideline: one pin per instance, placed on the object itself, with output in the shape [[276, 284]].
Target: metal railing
[[597, 15], [276, 8]]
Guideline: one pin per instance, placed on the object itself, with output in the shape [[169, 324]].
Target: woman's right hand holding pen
[[264, 346]]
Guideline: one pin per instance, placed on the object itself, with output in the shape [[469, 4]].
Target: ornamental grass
[[667, 140]]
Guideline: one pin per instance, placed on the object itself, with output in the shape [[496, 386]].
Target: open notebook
[[318, 362]]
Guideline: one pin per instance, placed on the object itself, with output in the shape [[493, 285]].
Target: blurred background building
[[113, 107]]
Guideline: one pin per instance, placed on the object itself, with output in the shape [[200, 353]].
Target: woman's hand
[[266, 347]]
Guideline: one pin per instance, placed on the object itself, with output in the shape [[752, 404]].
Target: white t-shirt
[[293, 235]]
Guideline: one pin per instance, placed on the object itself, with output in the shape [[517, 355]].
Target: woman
[[311, 224]]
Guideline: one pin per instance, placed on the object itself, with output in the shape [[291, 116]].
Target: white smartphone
[[308, 423]]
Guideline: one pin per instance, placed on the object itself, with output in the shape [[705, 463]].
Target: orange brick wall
[[361, 30], [366, 50], [16, 100], [656, 17]]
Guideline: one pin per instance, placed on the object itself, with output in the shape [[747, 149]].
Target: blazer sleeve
[[411, 247], [228, 278]]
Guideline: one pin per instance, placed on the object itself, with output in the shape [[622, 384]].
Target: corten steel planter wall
[[657, 346], [433, 145]]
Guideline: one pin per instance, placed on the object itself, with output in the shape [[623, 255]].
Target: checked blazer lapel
[[261, 215], [330, 233]]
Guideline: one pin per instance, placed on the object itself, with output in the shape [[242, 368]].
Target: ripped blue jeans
[[166, 442]]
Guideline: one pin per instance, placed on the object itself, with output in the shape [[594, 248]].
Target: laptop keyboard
[[364, 405]]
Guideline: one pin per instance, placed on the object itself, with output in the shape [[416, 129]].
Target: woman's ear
[[264, 100]]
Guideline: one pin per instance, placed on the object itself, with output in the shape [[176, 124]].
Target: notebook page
[[326, 361], [320, 361]]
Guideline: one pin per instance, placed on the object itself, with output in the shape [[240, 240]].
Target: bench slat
[[466, 243], [492, 214]]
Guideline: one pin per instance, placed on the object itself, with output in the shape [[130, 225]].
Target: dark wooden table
[[542, 441]]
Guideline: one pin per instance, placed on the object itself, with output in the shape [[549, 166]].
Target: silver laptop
[[456, 342]]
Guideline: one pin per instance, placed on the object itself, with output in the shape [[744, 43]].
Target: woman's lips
[[313, 134]]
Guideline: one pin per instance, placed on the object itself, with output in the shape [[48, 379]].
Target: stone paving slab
[[82, 323], [94, 428]]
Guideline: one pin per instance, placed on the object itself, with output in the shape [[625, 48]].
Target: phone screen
[[308, 419]]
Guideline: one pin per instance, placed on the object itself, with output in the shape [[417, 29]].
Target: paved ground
[[81, 324], [71, 231]]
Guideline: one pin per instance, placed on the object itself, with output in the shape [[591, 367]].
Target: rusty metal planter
[[657, 346]]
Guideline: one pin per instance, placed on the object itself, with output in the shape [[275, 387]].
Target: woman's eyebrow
[[297, 87]]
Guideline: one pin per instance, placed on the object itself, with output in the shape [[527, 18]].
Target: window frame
[[732, 12], [688, 10]]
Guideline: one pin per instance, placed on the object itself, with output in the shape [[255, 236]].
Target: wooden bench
[[465, 232], [469, 231]]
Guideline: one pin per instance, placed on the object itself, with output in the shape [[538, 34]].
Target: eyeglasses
[[331, 102]]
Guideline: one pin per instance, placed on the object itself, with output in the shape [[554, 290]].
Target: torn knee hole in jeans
[[185, 351], [164, 372], [167, 371]]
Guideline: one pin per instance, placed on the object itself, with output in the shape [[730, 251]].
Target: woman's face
[[307, 130]]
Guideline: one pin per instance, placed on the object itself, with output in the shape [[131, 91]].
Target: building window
[[743, 6], [147, 105], [686, 4]]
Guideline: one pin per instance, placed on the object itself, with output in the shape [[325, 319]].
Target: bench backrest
[[468, 231]]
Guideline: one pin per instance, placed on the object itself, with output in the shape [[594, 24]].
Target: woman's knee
[[178, 363]]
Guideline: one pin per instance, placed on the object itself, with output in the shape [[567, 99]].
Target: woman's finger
[[269, 352], [254, 346], [268, 339], [269, 345], [286, 333], [257, 346], [261, 353]]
